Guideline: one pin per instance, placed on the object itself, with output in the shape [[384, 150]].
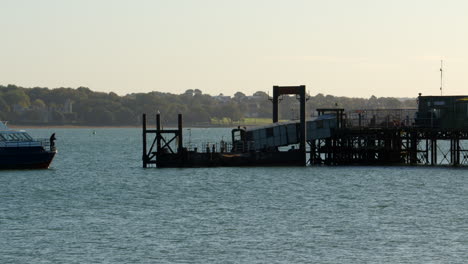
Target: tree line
[[82, 106]]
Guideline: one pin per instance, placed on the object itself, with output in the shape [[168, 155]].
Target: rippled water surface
[[97, 205]]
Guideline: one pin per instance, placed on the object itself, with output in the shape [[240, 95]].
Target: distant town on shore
[[84, 107]]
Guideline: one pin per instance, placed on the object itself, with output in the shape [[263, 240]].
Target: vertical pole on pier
[[302, 144], [427, 151], [313, 152], [275, 103], [181, 144], [413, 148], [452, 151], [433, 151], [455, 150], [458, 149], [328, 149], [144, 157], [158, 134]]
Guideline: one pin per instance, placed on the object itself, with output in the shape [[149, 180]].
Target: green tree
[[38, 104], [239, 96], [4, 107], [17, 96]]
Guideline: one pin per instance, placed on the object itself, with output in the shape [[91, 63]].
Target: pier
[[435, 134], [391, 146]]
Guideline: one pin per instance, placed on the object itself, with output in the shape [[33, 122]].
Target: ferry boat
[[18, 150]]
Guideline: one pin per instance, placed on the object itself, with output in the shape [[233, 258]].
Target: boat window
[[2, 138], [17, 137], [27, 136], [21, 137]]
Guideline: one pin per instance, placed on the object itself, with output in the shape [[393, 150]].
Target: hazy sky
[[350, 47]]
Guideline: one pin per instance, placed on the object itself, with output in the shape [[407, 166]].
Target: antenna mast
[[441, 76]]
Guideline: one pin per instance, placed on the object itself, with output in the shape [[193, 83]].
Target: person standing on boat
[[52, 141]]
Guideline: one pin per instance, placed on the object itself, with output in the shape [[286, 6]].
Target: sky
[[355, 48]]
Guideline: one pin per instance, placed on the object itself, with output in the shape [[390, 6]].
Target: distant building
[[254, 105], [68, 106], [256, 97], [253, 109], [222, 98]]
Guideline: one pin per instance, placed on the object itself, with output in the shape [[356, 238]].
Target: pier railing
[[221, 147], [384, 118]]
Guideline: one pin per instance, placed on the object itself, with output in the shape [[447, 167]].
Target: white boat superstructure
[[18, 150], [14, 138]]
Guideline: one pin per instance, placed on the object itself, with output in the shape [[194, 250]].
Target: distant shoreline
[[97, 127], [65, 126], [150, 125]]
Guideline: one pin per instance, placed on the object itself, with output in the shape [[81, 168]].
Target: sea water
[[96, 204]]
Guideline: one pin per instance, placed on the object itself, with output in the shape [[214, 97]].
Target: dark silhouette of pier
[[434, 134]]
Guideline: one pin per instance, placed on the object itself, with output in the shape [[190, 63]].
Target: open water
[[97, 205]]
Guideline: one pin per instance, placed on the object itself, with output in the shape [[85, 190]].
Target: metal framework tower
[[296, 90]]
